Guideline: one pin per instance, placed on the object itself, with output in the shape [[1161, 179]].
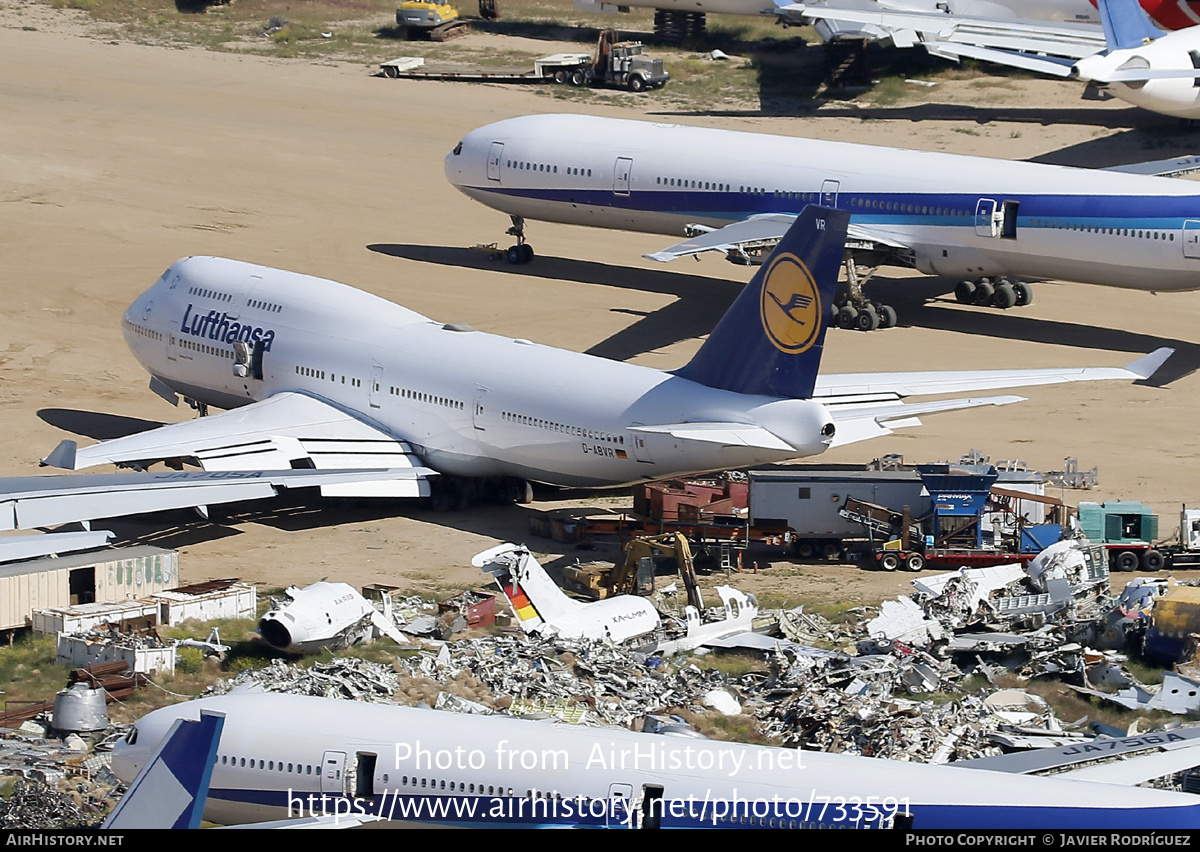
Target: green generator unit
[[1118, 522]]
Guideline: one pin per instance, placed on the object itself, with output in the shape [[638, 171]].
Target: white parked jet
[[1130, 59], [292, 756], [319, 375], [735, 192]]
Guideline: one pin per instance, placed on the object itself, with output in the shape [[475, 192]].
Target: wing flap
[[756, 232], [284, 431], [859, 423]]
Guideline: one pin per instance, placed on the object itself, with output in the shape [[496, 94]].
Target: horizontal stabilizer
[[725, 434]]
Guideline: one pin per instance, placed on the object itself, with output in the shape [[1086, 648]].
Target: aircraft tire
[[889, 561], [513, 255], [983, 293], [847, 317], [868, 319], [887, 316], [1126, 561], [1024, 293], [964, 292], [526, 253], [1005, 296]]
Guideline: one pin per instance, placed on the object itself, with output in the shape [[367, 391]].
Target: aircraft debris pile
[[343, 677], [37, 805]]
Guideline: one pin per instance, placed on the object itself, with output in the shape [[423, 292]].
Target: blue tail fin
[[1125, 24], [172, 787], [770, 340]]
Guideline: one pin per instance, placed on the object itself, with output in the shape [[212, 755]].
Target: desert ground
[[116, 159]]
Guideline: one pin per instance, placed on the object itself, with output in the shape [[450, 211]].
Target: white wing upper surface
[[868, 405], [282, 432]]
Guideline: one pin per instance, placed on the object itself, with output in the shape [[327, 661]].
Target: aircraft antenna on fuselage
[[770, 340]]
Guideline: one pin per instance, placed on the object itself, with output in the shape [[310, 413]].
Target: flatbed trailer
[[558, 68]]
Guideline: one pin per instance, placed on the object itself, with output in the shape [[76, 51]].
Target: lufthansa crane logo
[[790, 306]]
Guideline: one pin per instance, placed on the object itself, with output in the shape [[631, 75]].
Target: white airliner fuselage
[[945, 214], [470, 403]]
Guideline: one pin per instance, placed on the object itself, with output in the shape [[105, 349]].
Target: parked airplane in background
[[319, 375], [1132, 59], [968, 217], [291, 755]]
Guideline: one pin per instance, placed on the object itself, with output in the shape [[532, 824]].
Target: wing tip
[[62, 456], [1148, 365]]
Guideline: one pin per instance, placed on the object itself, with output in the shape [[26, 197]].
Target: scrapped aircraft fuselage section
[[953, 215], [470, 403]]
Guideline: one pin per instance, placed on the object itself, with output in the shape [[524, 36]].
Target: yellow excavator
[[430, 20], [635, 574]]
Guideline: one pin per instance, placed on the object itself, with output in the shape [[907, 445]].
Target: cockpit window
[[458, 149]]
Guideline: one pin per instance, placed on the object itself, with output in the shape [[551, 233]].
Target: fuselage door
[[985, 218], [620, 799], [493, 163], [621, 172], [829, 192], [641, 452], [478, 410], [376, 383], [333, 772], [1191, 238]]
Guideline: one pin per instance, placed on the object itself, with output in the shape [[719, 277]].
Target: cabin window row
[[691, 184], [578, 431], [314, 373], [269, 765], [418, 396], [205, 348], [454, 786], [1136, 233], [265, 306], [205, 293], [143, 332], [522, 166]]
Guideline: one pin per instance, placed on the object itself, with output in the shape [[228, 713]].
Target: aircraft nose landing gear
[[522, 252]]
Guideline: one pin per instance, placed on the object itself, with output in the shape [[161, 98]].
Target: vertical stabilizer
[[534, 597], [172, 787], [1125, 24], [770, 340]]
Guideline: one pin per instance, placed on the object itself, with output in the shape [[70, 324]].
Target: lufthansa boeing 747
[[315, 374]]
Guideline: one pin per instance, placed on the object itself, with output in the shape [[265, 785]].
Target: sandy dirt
[[117, 159]]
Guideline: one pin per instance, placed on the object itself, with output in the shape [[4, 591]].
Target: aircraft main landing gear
[[522, 252], [1003, 293], [855, 310]]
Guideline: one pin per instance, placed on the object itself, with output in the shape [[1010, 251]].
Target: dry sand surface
[[116, 159]]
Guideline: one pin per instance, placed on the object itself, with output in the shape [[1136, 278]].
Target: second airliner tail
[[770, 340]]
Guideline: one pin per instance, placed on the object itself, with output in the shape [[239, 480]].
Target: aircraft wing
[[867, 405], [943, 34], [756, 234], [285, 431]]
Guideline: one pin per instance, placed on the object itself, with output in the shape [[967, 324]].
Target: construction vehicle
[[1129, 531], [614, 63], [635, 574], [430, 20], [951, 534]]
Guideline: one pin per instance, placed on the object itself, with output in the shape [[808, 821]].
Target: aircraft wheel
[[847, 317], [1024, 293], [889, 561], [868, 319], [984, 292], [526, 253], [1153, 561], [887, 316], [1005, 296], [1126, 561], [964, 292], [514, 255], [915, 562]]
